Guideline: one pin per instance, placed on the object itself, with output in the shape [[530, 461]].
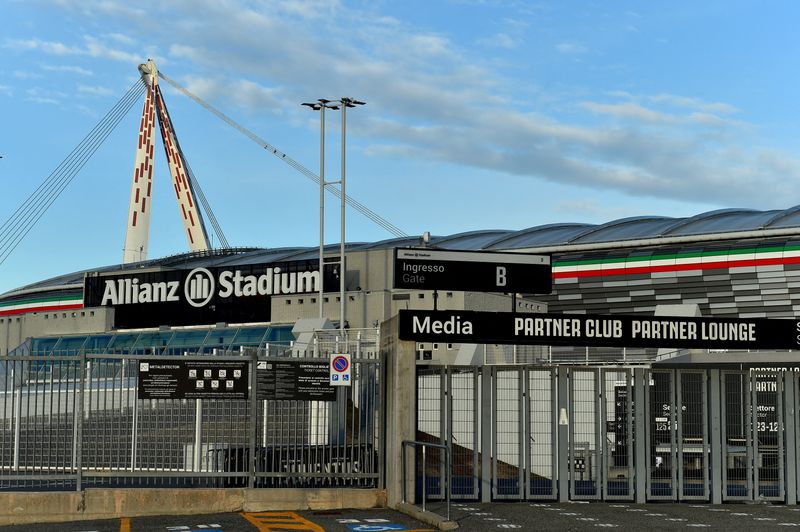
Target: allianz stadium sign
[[200, 295]]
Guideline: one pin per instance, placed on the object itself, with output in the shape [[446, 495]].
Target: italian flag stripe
[[677, 263]]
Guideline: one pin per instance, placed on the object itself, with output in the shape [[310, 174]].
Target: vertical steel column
[[790, 434], [678, 467], [563, 435], [715, 424], [486, 424], [198, 433], [522, 432], [17, 415], [554, 445], [78, 448], [253, 419], [755, 451], [640, 432]]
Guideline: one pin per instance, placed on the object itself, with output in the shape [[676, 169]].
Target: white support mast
[[138, 226]]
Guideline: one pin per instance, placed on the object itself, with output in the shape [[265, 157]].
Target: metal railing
[[71, 422], [447, 469]]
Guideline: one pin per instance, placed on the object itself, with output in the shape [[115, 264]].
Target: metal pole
[[342, 268], [321, 204], [198, 433]]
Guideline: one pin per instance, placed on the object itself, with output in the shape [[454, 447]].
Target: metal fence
[[70, 422], [579, 433]]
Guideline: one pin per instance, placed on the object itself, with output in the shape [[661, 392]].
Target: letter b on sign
[[501, 276]]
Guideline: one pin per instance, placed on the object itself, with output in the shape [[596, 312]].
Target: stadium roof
[[560, 235]]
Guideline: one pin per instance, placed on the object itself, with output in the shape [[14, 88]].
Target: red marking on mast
[[184, 211], [137, 196], [191, 218], [190, 235], [144, 203], [134, 219]]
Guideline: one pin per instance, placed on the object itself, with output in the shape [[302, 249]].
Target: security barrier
[[577, 433], [71, 422]]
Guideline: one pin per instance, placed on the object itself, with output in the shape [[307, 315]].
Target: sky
[[479, 114]]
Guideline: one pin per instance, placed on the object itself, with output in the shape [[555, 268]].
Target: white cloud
[[22, 74], [91, 47], [67, 68], [571, 48], [5, 89], [500, 40], [430, 98], [95, 90]]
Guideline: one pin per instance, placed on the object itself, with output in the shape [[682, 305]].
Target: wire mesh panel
[[617, 403], [508, 458], [737, 444], [584, 429], [38, 425], [661, 436], [541, 436], [768, 426], [431, 428], [463, 436], [692, 427]]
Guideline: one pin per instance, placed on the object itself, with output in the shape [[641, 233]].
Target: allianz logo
[[200, 286]]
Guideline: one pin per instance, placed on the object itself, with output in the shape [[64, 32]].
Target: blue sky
[[479, 115]]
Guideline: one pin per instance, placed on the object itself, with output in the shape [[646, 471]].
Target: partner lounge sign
[[598, 330]]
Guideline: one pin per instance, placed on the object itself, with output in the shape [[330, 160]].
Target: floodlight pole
[[320, 105], [346, 102]]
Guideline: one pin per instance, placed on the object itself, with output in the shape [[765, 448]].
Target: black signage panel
[[477, 271], [294, 381], [173, 378], [238, 294], [598, 330]]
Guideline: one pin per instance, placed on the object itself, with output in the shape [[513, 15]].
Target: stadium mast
[[138, 225]]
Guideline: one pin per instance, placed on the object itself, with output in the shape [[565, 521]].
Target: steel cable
[[25, 217]]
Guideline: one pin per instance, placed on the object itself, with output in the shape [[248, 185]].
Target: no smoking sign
[[340, 369]]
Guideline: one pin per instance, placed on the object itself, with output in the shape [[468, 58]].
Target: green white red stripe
[[41, 304], [705, 260]]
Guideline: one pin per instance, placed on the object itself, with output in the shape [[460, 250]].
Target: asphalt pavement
[[490, 517]]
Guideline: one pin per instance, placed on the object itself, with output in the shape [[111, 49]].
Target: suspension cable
[[25, 217], [195, 190], [360, 207]]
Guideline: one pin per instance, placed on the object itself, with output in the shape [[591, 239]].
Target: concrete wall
[[18, 508], [15, 329]]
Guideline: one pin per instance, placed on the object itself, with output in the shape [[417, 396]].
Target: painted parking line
[[274, 521]]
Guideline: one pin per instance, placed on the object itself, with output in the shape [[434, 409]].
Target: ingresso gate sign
[[598, 330], [478, 271]]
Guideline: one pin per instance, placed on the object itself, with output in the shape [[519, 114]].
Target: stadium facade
[[730, 263]]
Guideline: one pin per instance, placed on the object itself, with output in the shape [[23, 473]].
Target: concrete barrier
[[19, 508]]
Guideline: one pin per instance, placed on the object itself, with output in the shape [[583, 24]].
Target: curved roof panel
[[543, 235], [560, 234], [625, 229], [721, 221]]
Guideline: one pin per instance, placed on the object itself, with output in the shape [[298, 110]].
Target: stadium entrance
[[577, 433]]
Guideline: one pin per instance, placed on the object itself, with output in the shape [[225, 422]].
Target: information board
[[293, 381], [478, 271], [173, 378]]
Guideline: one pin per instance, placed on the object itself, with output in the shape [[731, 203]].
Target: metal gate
[[578, 433]]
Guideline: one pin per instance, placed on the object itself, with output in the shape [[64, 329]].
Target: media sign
[[201, 295], [478, 271], [598, 330]]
